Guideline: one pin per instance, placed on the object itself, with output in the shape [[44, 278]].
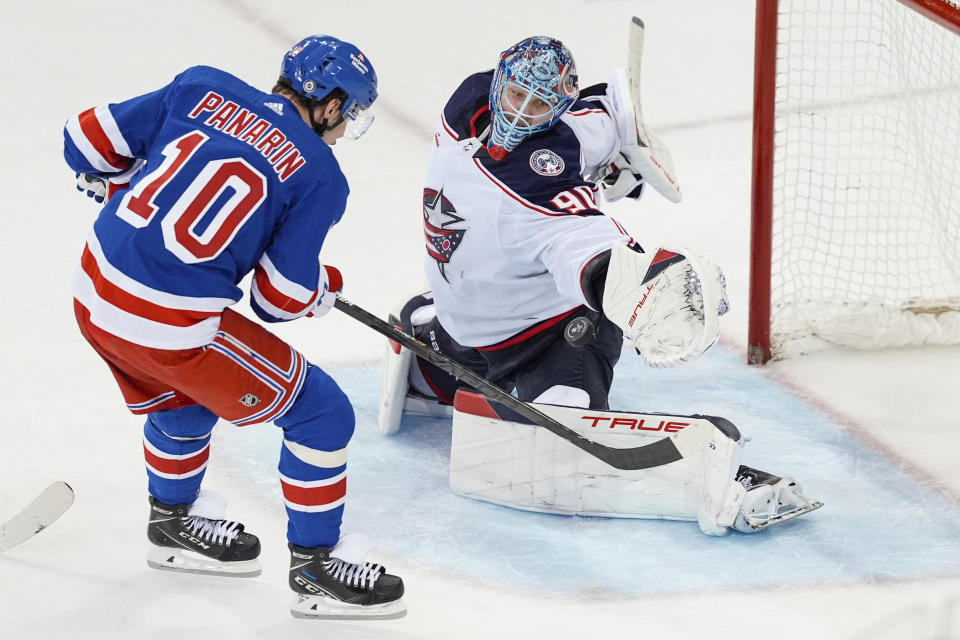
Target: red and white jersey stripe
[[315, 495], [278, 295], [97, 136], [140, 314], [173, 466]]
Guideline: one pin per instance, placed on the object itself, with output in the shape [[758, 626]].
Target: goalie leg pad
[[396, 382], [400, 369], [721, 495], [526, 467]]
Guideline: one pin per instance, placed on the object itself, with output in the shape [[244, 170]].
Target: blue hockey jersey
[[225, 179]]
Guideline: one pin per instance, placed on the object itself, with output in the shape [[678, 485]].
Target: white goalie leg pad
[[397, 360], [404, 389], [722, 496], [667, 302], [523, 466]]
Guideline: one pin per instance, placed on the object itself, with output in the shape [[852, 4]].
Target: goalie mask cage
[[856, 168]]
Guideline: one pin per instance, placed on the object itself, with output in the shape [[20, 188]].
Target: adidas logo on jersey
[[276, 107]]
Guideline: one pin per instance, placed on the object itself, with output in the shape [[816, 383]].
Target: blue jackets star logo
[[442, 227]]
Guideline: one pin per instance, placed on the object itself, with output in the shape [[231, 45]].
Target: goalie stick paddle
[[36, 516], [661, 175], [655, 454]]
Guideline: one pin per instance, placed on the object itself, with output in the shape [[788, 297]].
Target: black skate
[[184, 540], [769, 500], [329, 587]]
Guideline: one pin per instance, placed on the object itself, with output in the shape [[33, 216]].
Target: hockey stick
[[660, 173], [655, 454], [36, 516]]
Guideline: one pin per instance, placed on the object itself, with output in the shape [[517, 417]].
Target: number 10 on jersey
[[179, 223]]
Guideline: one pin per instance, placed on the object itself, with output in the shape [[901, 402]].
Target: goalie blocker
[[498, 456]]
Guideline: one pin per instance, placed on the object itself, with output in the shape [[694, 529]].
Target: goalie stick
[[661, 175], [36, 516], [669, 449]]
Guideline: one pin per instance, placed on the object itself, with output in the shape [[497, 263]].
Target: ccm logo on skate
[[309, 586], [667, 426], [197, 541], [636, 309]]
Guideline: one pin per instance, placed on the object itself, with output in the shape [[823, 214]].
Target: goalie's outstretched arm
[[667, 302]]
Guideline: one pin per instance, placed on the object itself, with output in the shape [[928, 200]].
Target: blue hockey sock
[[176, 445]]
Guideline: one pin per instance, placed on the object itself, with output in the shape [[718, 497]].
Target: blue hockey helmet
[[534, 84], [318, 64]]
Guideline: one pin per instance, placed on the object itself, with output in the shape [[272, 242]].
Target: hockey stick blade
[[656, 454], [36, 516]]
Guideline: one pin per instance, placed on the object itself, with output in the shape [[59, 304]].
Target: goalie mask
[[534, 84]]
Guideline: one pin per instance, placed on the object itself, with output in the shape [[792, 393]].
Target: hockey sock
[[176, 446], [313, 461], [313, 495]]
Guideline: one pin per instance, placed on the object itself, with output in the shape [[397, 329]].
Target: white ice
[[874, 435]]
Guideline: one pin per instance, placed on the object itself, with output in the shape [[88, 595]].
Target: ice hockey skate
[[197, 539], [769, 500], [338, 584]]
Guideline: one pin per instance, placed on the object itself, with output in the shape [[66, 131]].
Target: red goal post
[[855, 236]]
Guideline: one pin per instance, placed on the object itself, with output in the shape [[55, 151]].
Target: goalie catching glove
[[667, 302]]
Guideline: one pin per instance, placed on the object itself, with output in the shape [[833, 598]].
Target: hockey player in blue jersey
[[533, 287], [206, 180]]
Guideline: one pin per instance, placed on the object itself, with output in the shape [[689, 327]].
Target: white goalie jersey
[[507, 241]]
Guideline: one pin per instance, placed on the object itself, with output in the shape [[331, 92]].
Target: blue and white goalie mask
[[534, 84]]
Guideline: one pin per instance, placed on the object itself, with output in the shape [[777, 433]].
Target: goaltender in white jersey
[[506, 241], [535, 289]]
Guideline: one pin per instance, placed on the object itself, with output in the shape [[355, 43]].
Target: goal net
[[856, 178]]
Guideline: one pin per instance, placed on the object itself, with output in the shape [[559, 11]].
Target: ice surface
[[398, 490]]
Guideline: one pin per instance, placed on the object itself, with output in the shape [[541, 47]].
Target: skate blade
[[169, 559], [784, 516], [323, 608]]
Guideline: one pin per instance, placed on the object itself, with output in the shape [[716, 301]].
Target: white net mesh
[[866, 235]]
